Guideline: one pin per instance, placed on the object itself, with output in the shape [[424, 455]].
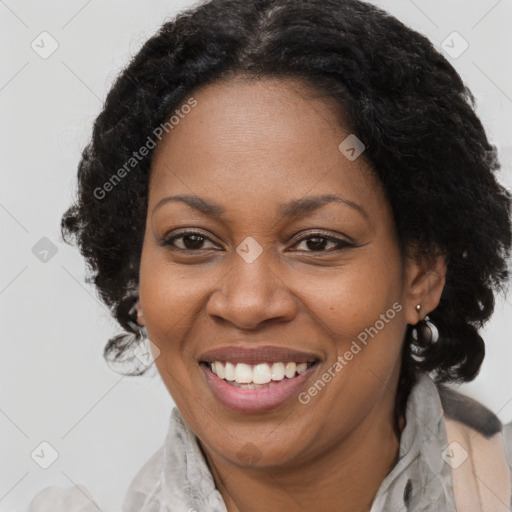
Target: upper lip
[[255, 355]]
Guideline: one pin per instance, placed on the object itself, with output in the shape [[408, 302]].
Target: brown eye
[[318, 242], [189, 241]]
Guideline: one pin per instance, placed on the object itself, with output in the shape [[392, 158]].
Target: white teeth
[[301, 368], [243, 373], [229, 371], [290, 370], [219, 367], [277, 371], [262, 373]]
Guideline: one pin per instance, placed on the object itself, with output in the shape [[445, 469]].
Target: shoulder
[[473, 414], [58, 499], [469, 411], [145, 484], [79, 499]]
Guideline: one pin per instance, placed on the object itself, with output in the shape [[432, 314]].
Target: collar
[[177, 476], [420, 479]]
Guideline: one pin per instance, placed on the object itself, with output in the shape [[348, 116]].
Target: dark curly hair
[[395, 91]]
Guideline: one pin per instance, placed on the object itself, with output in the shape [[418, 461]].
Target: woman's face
[[291, 257]]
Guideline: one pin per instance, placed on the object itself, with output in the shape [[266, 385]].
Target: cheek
[[171, 294], [360, 312], [170, 302], [348, 299], [359, 308]]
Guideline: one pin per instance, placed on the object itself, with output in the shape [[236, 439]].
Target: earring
[[137, 311], [428, 331], [137, 308]]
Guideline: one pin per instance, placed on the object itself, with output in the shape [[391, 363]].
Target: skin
[[250, 146]]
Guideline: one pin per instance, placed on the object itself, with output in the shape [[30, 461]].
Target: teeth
[[301, 368], [252, 376], [277, 371], [229, 371], [261, 374], [290, 370], [219, 369], [243, 373]]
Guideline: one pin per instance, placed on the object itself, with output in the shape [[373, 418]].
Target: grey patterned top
[[177, 478]]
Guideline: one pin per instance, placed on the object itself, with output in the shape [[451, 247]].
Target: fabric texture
[[177, 479]]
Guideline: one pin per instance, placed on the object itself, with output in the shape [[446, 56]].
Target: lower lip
[[256, 400]]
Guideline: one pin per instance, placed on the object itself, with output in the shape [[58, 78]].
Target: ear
[[140, 315], [425, 280]]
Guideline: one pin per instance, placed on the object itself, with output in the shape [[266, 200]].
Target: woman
[[295, 201]]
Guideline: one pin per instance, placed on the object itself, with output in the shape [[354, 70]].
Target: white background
[[55, 385]]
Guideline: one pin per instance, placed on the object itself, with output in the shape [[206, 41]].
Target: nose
[[251, 294]]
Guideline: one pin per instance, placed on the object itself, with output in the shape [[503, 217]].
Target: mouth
[[258, 376], [256, 380]]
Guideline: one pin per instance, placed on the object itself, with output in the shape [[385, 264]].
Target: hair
[[398, 95]]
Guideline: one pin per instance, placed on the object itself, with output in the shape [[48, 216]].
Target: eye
[[188, 240], [194, 241], [316, 242]]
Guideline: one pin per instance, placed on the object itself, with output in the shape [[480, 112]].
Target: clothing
[[177, 478]]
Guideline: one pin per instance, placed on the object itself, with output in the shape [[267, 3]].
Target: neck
[[345, 478]]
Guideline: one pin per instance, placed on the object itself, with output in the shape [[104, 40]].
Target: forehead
[[259, 142]]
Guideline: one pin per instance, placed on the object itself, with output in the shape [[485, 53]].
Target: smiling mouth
[[257, 376]]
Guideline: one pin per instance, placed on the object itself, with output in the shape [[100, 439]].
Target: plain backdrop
[[55, 386]]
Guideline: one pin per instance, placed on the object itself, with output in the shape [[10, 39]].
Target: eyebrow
[[293, 209]]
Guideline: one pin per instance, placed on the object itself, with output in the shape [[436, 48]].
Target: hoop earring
[[428, 330]]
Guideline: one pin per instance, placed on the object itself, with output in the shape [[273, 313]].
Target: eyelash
[[341, 244]]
